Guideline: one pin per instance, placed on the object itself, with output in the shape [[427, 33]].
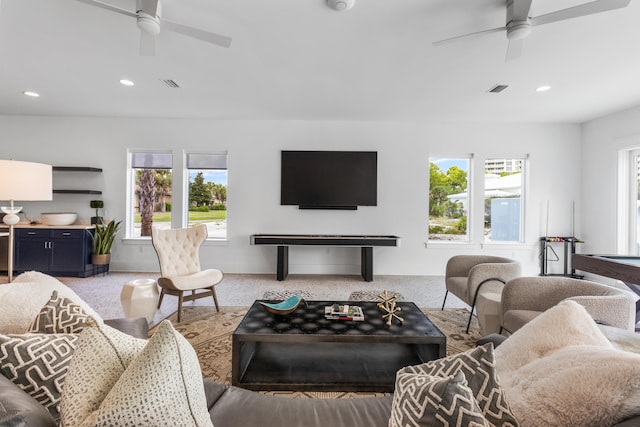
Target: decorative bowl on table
[[58, 218], [285, 307]]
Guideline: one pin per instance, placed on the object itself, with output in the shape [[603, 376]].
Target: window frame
[[523, 198]]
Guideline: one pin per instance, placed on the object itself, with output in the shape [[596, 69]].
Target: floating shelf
[[76, 169], [77, 192]]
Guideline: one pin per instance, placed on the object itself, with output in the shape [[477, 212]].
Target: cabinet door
[[32, 250], [68, 251]]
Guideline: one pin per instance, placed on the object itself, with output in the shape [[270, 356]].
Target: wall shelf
[[75, 169]]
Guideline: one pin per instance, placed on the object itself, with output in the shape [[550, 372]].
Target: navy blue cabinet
[[55, 251]]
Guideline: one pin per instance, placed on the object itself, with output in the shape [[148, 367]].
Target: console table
[[283, 241]]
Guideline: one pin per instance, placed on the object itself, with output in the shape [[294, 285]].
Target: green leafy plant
[[104, 236]]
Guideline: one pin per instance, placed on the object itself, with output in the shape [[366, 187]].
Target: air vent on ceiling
[[498, 88], [170, 83]]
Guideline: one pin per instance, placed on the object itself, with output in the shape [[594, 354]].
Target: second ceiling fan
[[518, 22], [148, 19]]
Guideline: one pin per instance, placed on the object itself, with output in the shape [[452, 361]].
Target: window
[[150, 192], [503, 200], [207, 192], [628, 240], [449, 199]]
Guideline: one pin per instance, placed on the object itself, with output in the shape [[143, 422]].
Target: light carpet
[[209, 332]]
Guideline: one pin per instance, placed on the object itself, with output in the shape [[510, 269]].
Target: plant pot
[[100, 259]]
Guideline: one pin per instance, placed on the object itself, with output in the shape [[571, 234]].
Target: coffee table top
[[309, 324]]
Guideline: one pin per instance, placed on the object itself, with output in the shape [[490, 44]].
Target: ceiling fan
[[518, 23], [148, 19]]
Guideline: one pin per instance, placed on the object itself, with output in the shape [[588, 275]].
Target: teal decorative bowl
[[285, 307]]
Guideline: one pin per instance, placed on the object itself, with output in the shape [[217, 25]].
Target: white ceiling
[[300, 60]]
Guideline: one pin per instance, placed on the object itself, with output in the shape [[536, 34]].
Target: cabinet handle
[[31, 233], [67, 233]]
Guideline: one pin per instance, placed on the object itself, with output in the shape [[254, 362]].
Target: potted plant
[[102, 241]]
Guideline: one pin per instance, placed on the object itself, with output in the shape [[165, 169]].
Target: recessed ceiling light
[[126, 82], [31, 93], [543, 88]]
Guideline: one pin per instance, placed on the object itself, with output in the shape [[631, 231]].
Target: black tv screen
[[329, 179]]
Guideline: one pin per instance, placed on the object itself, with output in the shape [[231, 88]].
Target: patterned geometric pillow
[[101, 357], [425, 400], [59, 315], [38, 363], [478, 367], [162, 386]]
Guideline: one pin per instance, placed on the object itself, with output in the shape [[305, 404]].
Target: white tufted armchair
[[178, 251]]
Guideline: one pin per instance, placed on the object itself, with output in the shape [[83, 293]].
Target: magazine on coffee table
[[343, 312]]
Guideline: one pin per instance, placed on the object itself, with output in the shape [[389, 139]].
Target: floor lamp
[[21, 181]]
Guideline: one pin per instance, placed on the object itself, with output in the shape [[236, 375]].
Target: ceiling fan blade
[[149, 6], [454, 39], [590, 8], [214, 38], [109, 7], [521, 9], [147, 44], [514, 49]]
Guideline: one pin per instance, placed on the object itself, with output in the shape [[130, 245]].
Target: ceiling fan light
[[148, 24], [340, 5], [517, 30]]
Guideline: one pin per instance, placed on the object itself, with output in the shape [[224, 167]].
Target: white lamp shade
[[25, 181]]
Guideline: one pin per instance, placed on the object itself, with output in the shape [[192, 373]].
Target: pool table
[[625, 268]]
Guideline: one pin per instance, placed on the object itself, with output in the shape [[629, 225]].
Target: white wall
[[254, 177], [602, 140]]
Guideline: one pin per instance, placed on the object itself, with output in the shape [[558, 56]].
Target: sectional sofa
[[559, 369]]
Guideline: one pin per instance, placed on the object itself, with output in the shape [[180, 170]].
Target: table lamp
[[21, 181]]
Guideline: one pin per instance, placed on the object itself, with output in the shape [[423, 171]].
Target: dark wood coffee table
[[305, 351]]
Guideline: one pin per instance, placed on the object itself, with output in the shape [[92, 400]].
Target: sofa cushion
[[102, 355], [161, 386], [59, 315], [478, 367], [18, 409], [22, 300], [38, 364], [425, 400]]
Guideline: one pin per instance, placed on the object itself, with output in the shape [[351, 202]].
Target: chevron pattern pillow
[[426, 400], [38, 363], [59, 315], [478, 367]]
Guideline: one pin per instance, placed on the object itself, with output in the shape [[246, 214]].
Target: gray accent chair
[[524, 298], [466, 275]]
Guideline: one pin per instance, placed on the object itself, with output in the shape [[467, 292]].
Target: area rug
[[373, 295], [209, 332]]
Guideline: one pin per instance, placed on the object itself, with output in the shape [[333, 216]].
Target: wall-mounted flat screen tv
[[329, 179]]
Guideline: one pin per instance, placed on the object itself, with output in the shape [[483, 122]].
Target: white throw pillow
[[101, 357], [565, 324], [161, 386], [576, 386], [22, 300]]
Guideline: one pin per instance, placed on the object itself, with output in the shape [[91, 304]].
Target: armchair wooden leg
[[160, 299], [215, 298], [180, 306]]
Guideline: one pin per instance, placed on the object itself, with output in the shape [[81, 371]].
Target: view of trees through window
[[448, 194], [449, 199], [153, 203]]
